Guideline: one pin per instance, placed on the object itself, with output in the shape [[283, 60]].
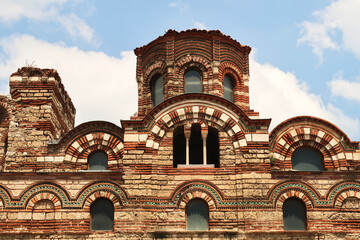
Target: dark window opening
[[193, 82], [102, 215], [228, 88], [157, 90], [307, 159], [197, 215], [179, 146], [212, 147], [294, 214], [196, 145], [6, 145], [98, 161]]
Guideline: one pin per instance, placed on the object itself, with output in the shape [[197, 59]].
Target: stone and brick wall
[[46, 189]]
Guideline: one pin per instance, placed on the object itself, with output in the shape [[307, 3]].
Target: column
[[204, 134], [187, 133]]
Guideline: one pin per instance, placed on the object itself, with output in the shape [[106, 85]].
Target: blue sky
[[304, 61]]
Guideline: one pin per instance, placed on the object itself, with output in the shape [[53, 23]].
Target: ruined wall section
[[43, 112]]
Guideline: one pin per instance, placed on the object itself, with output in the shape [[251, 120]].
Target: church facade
[[195, 162]]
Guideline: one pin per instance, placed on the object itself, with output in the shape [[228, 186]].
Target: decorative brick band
[[179, 197]]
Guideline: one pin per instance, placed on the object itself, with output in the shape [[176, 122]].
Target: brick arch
[[196, 194], [342, 196], [158, 67], [295, 193], [206, 115], [231, 69], [306, 136], [101, 193], [192, 189], [290, 188], [79, 149], [193, 62], [44, 196]]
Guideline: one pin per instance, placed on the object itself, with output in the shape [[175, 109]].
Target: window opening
[[193, 82], [98, 161], [179, 146], [212, 147], [157, 90], [196, 146], [197, 215], [294, 214], [228, 88], [306, 159], [102, 215]]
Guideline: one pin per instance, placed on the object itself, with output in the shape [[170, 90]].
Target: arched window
[[228, 88], [212, 147], [98, 161], [157, 90], [102, 215], [196, 145], [306, 159], [294, 214], [179, 146], [193, 82], [197, 215], [188, 149]]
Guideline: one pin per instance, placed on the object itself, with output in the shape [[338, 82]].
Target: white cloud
[[179, 5], [344, 88], [199, 25], [104, 87], [47, 11], [341, 16], [101, 87], [280, 95]]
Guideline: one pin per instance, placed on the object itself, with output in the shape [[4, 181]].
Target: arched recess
[[40, 196], [193, 62], [334, 146], [338, 193], [201, 112], [80, 148]]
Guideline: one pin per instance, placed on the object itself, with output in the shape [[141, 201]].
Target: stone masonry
[[47, 189]]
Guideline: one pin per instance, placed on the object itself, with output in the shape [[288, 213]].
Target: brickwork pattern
[[47, 189]]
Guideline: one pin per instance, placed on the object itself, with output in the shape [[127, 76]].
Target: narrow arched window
[[306, 159], [197, 215], [228, 88], [294, 214], [196, 145], [193, 82], [102, 215], [98, 161], [157, 90], [179, 146], [212, 147]]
